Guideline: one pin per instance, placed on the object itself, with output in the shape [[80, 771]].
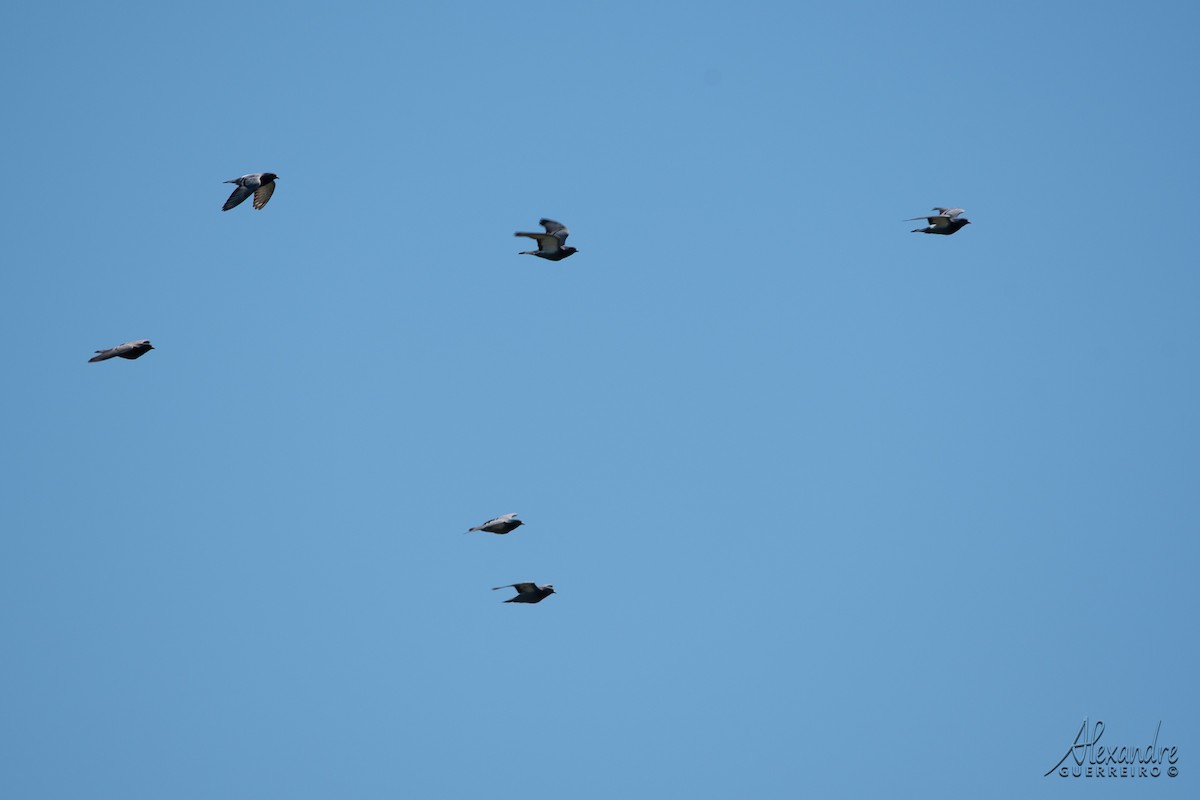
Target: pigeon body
[[505, 524], [528, 592], [130, 350], [551, 243], [259, 184], [945, 222]]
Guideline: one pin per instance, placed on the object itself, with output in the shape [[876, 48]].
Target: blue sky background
[[834, 510]]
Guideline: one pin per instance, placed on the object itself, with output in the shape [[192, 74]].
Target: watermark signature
[[1090, 759]]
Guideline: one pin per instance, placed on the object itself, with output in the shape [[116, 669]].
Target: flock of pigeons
[[551, 246], [526, 592]]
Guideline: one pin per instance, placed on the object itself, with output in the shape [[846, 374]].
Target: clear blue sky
[[833, 509]]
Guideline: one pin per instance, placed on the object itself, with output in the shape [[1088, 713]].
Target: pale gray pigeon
[[130, 350], [506, 524], [259, 184], [528, 592], [551, 243], [945, 222]]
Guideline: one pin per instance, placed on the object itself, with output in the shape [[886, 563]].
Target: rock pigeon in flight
[[505, 524], [130, 350], [528, 592], [945, 222], [551, 243], [260, 184]]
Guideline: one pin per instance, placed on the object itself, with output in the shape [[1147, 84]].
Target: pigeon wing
[[555, 228], [949, 212], [936, 220], [547, 242], [240, 193], [263, 194], [522, 588]]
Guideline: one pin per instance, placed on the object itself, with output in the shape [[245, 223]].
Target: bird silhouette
[[528, 592]]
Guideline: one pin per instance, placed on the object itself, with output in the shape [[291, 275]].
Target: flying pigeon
[[945, 222], [506, 524], [550, 243], [260, 184], [528, 592], [130, 350]]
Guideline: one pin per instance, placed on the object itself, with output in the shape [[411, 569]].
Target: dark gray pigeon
[[528, 592], [506, 524], [260, 184], [945, 222], [551, 243], [130, 350]]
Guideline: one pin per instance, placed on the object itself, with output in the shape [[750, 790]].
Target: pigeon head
[[566, 251], [146, 343], [269, 176], [549, 587]]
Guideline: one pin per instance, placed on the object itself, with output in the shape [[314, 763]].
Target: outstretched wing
[[555, 228], [522, 588], [949, 212], [237, 198], [263, 194], [936, 220], [547, 242]]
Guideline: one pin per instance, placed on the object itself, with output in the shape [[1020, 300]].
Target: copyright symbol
[[1172, 771]]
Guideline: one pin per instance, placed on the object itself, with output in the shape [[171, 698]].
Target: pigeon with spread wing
[[259, 184], [551, 244], [528, 592], [946, 221]]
